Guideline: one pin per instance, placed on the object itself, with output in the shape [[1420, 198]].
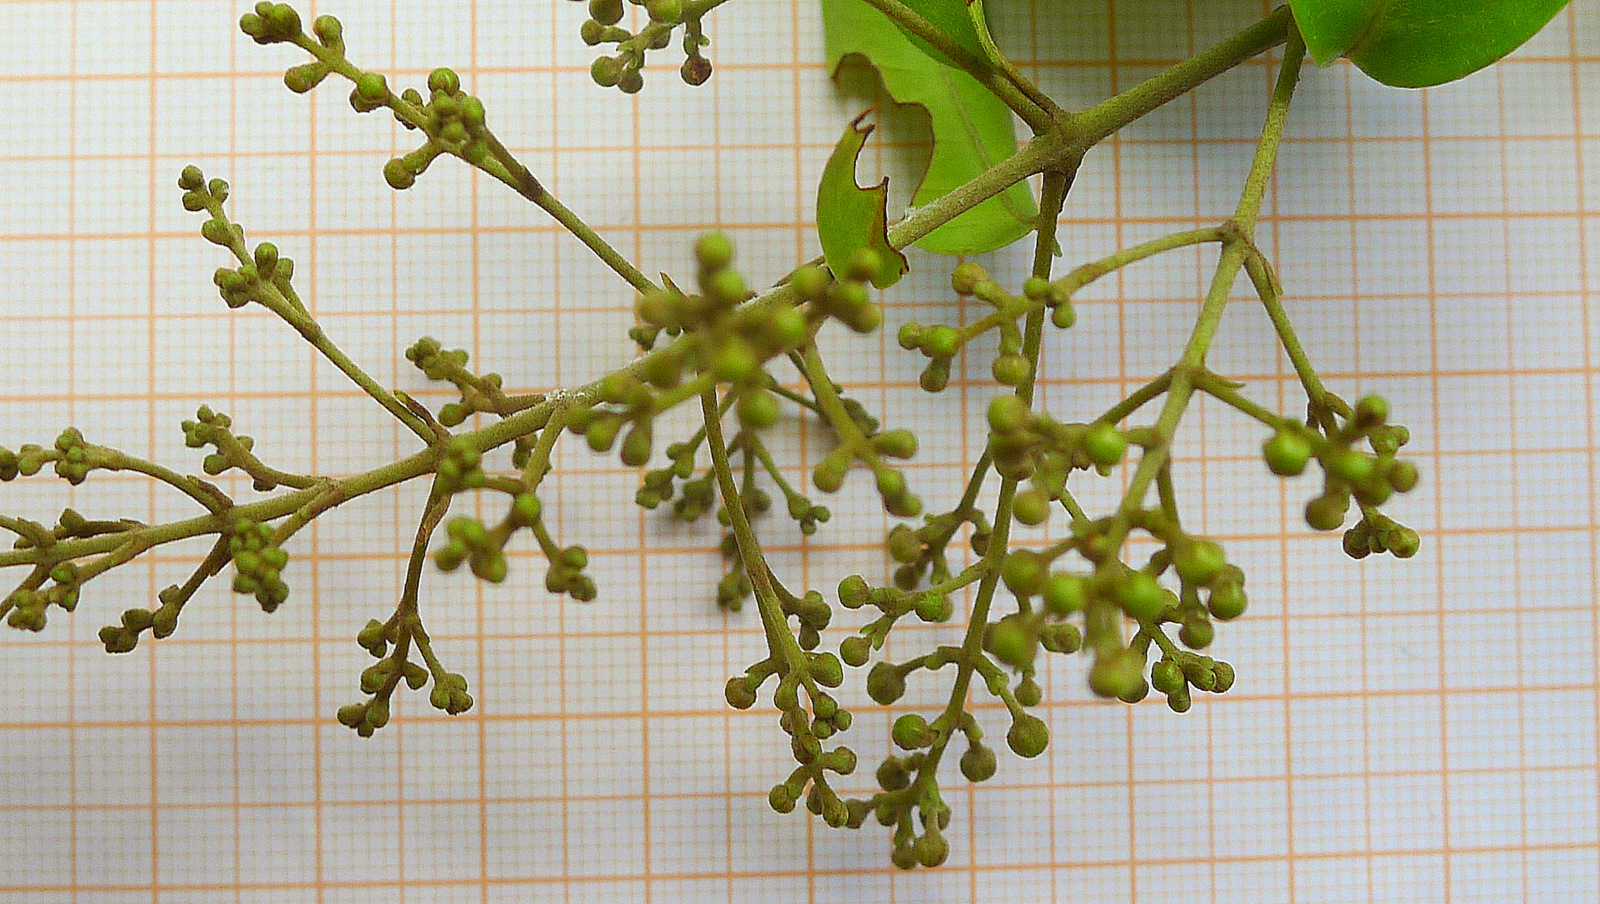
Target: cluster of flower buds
[[271, 23], [124, 636], [259, 561], [382, 678], [623, 70], [941, 343], [27, 605], [1029, 445], [1349, 473], [806, 730]]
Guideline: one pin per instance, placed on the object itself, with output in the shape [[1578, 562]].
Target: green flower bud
[[1350, 466], [1028, 692], [911, 732], [606, 12], [1199, 563], [398, 174], [1063, 317], [444, 80], [1104, 444], [885, 683], [1224, 677], [1028, 736], [978, 764], [1115, 674], [636, 446], [758, 409], [606, 72], [863, 265], [696, 70], [1013, 641], [1140, 596], [1402, 475], [304, 77], [352, 714], [1180, 701], [1167, 677], [1327, 512], [1404, 543], [1196, 634], [855, 650], [781, 799], [1031, 507], [1066, 593], [328, 30], [931, 849], [740, 692], [892, 774], [853, 592], [934, 607], [941, 342], [1011, 370], [1024, 572], [896, 443], [1287, 453], [964, 280], [1371, 412], [1227, 601], [827, 671]]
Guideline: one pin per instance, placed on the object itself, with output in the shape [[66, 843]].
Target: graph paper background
[[1420, 731]]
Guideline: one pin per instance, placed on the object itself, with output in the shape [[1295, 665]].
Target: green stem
[[780, 641], [1107, 117], [1052, 196], [1235, 251]]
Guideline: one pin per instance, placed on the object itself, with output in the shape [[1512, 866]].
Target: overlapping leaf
[[850, 217], [972, 129], [1419, 43]]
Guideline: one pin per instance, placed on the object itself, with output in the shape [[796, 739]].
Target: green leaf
[[972, 129], [850, 217], [1419, 43], [948, 16]]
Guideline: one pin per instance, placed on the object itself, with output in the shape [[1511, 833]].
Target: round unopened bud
[[885, 683], [1066, 593], [606, 71], [1227, 601], [1031, 507], [1327, 512], [696, 70], [1104, 444], [1115, 674], [978, 764], [1287, 453], [853, 592], [1024, 572], [1013, 641], [714, 251], [1141, 597], [911, 732], [855, 650], [739, 692], [1028, 736], [941, 341], [966, 277], [606, 12], [1011, 370], [1199, 563], [1197, 634], [931, 849]]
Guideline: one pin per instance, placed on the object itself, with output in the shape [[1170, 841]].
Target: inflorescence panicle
[[1144, 613]]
